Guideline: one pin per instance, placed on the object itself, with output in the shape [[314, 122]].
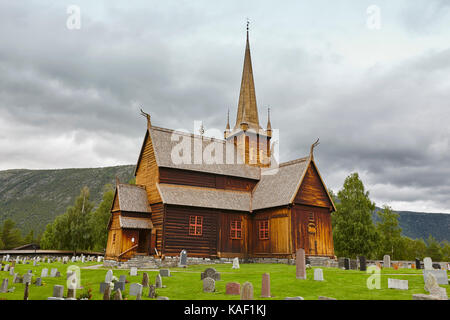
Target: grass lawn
[[185, 284]]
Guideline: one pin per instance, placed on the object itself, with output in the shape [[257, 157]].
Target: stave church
[[221, 198]]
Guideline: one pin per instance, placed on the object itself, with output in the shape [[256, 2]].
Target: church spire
[[247, 110]]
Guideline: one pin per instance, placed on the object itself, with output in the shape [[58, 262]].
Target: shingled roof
[[279, 188], [132, 198], [135, 223], [204, 197], [163, 146]]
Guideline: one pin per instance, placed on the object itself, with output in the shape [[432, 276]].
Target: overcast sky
[[376, 91]]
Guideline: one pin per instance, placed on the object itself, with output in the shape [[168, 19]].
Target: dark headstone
[[151, 291], [362, 263], [436, 266], [119, 285], [347, 263], [107, 293], [353, 264], [418, 266], [103, 286], [27, 291]]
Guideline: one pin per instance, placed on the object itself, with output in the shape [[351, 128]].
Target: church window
[[263, 229], [236, 229], [195, 225]]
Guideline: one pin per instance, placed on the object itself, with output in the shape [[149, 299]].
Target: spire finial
[[315, 144], [248, 24], [149, 124], [228, 119]]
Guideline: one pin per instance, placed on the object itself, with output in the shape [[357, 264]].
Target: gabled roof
[[132, 198], [164, 142], [278, 188], [204, 197]]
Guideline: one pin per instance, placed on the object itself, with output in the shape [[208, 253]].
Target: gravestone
[[353, 264], [119, 285], [145, 279], [265, 286], [58, 291], [210, 273], [26, 291], [294, 298], [436, 266], [107, 293], [318, 274], [346, 263], [247, 291], [326, 298], [209, 285], [440, 276], [103, 286], [387, 261], [133, 271], [151, 291], [341, 263], [4, 287], [362, 263], [164, 272], [397, 284], [6, 267], [162, 298], [233, 288], [183, 258], [27, 278], [53, 272], [38, 282], [427, 263], [158, 281], [123, 278], [17, 278], [420, 296], [118, 295], [11, 271], [58, 274], [109, 276], [34, 263], [135, 289], [235, 263], [300, 265], [72, 292]]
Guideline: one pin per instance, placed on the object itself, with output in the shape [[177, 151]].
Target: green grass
[[185, 284]]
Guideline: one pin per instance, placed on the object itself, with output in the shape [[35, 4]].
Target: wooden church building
[[234, 203]]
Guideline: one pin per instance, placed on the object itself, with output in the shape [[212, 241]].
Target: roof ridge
[[291, 162], [193, 135], [201, 188]]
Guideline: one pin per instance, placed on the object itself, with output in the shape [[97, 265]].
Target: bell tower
[[250, 139]]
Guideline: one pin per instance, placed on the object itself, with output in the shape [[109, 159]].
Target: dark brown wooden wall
[[233, 247], [312, 191], [203, 179], [176, 231], [319, 242], [157, 220]]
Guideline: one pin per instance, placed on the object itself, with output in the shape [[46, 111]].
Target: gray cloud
[[72, 98]]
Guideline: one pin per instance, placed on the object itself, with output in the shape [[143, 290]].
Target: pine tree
[[353, 230], [11, 236]]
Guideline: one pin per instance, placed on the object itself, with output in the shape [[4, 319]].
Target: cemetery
[[88, 278]]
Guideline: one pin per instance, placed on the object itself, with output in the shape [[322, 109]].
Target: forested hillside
[[33, 198]]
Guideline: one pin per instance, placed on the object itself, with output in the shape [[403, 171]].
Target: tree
[[434, 249], [10, 236], [29, 238], [353, 230], [390, 233], [100, 218]]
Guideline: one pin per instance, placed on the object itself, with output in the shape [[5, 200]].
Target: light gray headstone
[[209, 285], [397, 284], [427, 263], [38, 282], [133, 271], [235, 263], [103, 286], [11, 271], [387, 261], [183, 258], [27, 278], [4, 287], [318, 274], [123, 278], [294, 298], [158, 281], [58, 291], [44, 273], [164, 272], [119, 285], [53, 272], [135, 289], [439, 275], [109, 276]]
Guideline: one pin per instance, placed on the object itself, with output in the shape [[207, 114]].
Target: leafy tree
[[445, 250], [434, 249], [100, 218], [353, 230], [391, 241], [29, 238], [11, 236]]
